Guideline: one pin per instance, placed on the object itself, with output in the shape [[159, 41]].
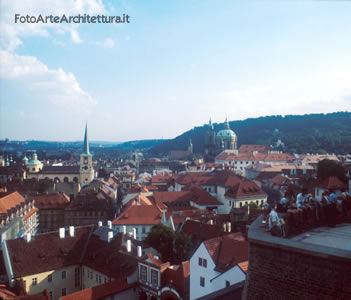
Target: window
[[99, 278], [202, 262], [34, 281], [154, 277], [143, 273], [63, 274], [144, 230], [227, 283], [96, 278], [51, 295], [64, 292], [50, 278], [202, 281], [24, 284]]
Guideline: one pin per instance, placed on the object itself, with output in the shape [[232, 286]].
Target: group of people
[[306, 212]]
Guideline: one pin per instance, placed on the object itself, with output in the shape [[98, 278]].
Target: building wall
[[63, 177], [51, 219], [289, 272], [91, 278], [57, 283], [233, 275]]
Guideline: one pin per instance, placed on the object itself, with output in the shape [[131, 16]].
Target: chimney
[[129, 246], [62, 233], [71, 231], [134, 233], [109, 236], [100, 224], [124, 229], [140, 251], [109, 224], [28, 237], [229, 227], [224, 227], [211, 222]]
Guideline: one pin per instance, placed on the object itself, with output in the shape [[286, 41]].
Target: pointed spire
[[226, 124], [86, 144]]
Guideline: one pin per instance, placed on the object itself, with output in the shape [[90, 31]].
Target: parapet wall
[[286, 269]]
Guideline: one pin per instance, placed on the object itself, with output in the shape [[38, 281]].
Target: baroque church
[[82, 174], [224, 139]]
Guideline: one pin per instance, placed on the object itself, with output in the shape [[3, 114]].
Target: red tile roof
[[139, 215], [51, 201], [10, 201], [245, 188], [178, 276], [201, 231], [279, 157], [332, 182], [251, 148], [191, 193], [101, 291], [227, 251], [47, 252]]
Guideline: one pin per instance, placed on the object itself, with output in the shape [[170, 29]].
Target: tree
[[327, 167], [174, 247], [161, 238]]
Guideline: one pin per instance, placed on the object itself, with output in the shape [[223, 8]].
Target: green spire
[[86, 144]]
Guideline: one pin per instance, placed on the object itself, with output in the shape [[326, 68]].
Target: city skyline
[[175, 65]]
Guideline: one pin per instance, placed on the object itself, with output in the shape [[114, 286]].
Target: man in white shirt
[[274, 225]]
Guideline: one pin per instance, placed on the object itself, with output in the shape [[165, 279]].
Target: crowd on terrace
[[303, 211]]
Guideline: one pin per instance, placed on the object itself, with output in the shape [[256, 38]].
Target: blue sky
[[176, 64]]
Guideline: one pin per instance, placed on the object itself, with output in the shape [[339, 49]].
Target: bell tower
[[86, 162]]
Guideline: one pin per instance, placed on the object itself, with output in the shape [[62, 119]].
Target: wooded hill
[[312, 133]]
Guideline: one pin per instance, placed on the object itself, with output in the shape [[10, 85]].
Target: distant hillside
[[313, 133], [140, 145]]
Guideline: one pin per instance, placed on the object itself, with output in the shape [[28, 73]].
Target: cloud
[[12, 32], [54, 85], [75, 37], [107, 43], [323, 92]]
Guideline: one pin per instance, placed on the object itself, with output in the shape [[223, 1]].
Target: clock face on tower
[[85, 160]]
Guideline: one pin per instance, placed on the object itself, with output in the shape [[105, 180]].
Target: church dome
[[226, 133]]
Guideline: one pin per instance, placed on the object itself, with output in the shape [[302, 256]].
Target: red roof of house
[[332, 182], [139, 215], [251, 148], [10, 201], [101, 291], [243, 189], [48, 251], [279, 157], [191, 193], [227, 251], [201, 231], [51, 201]]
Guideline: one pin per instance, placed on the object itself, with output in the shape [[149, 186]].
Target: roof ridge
[[86, 244]]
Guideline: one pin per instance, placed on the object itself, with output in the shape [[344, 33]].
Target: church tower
[[210, 142], [86, 162], [190, 146]]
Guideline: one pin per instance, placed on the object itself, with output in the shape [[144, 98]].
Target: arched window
[[65, 179], [75, 179]]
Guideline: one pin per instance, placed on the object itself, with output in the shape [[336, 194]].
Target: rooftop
[[326, 242]]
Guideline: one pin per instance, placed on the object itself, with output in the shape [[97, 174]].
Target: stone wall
[[284, 269]]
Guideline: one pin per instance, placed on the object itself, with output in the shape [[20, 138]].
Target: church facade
[[82, 174], [224, 139]]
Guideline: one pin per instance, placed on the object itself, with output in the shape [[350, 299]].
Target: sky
[[175, 65]]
